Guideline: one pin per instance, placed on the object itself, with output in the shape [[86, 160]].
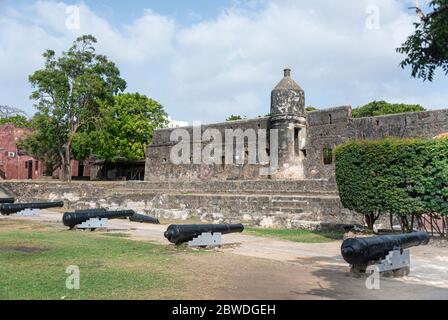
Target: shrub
[[404, 177], [379, 108]]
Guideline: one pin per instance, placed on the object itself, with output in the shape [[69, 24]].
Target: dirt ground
[[250, 267]]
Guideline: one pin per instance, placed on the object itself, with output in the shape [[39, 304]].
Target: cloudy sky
[[207, 59]]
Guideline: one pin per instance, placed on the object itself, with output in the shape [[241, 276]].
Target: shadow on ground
[[341, 284]]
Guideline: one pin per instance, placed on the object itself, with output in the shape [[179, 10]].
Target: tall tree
[[69, 89], [427, 48], [124, 128]]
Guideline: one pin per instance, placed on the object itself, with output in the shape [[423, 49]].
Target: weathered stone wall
[[160, 168], [331, 127], [301, 204], [306, 141], [326, 129], [407, 125]]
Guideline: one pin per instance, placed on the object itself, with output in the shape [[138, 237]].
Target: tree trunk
[[68, 156], [370, 220], [66, 168], [404, 223]]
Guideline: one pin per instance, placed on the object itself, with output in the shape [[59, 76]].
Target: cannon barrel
[[364, 250], [143, 219], [7, 200], [71, 219], [11, 208], [90, 210], [180, 233]]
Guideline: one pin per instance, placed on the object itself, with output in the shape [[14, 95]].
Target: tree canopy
[[18, 121], [235, 118], [69, 90], [427, 49], [124, 128], [378, 108]]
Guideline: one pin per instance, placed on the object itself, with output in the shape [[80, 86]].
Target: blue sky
[[204, 60]]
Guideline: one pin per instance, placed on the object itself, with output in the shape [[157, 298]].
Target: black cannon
[[180, 233], [11, 208], [7, 200], [142, 218], [71, 219], [359, 251]]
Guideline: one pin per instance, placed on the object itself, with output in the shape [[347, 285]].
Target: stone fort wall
[[160, 168], [325, 130], [331, 127]]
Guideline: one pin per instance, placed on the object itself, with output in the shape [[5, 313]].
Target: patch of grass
[[303, 236], [116, 234], [33, 264]]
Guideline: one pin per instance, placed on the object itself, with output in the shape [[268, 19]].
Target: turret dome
[[287, 98]]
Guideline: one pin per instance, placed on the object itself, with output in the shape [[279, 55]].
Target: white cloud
[[228, 65]]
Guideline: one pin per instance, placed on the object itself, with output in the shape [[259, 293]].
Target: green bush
[[379, 108], [404, 177]]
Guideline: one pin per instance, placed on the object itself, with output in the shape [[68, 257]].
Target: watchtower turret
[[288, 116], [287, 98]]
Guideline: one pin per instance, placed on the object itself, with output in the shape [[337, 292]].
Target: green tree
[[310, 109], [402, 177], [18, 121], [378, 108], [125, 127], [235, 118], [69, 91], [43, 143], [427, 49]]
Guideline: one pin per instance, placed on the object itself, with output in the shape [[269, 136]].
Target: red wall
[[13, 166], [16, 167], [75, 169]]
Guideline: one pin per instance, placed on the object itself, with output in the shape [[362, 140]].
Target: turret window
[[297, 141], [328, 156]]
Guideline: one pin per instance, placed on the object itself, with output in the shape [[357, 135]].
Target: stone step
[[266, 192], [285, 210], [246, 185], [287, 203], [296, 198]]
